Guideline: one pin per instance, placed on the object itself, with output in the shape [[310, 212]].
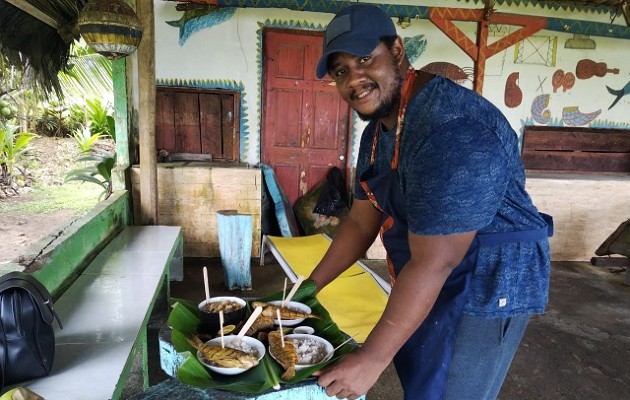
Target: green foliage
[[8, 110], [76, 115], [89, 75], [99, 117], [48, 199], [97, 114], [17, 90], [100, 164], [13, 144], [111, 123], [85, 138], [54, 121], [97, 123]]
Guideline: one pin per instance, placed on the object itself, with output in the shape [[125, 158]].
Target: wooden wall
[[586, 210], [190, 195]]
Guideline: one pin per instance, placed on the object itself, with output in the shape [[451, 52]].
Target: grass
[[77, 196]]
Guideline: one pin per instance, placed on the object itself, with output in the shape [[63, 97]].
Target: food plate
[[247, 344], [294, 305], [233, 312], [311, 349], [309, 330]]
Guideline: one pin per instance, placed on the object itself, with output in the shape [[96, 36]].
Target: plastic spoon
[[280, 327], [250, 321], [296, 286], [205, 281], [221, 327]]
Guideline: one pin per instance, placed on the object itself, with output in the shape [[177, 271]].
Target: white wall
[[225, 49]]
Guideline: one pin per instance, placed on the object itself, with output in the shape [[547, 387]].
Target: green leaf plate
[[184, 322]]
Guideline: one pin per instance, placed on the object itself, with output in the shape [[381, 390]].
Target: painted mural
[[618, 93], [552, 74], [196, 20]]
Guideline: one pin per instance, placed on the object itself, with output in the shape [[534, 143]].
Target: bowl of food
[[309, 330], [237, 356], [293, 313], [209, 312], [311, 350]]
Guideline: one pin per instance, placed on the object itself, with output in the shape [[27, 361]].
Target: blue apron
[[422, 363]]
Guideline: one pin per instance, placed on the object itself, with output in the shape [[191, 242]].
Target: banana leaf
[[184, 322]]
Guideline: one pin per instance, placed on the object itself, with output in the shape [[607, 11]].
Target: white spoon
[[221, 328], [280, 327], [205, 281], [250, 321], [296, 286]]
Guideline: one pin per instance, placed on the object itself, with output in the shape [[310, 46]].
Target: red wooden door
[[305, 122]]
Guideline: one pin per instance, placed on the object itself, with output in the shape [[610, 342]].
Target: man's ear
[[398, 50]]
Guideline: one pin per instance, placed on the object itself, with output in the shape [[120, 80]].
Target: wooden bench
[[105, 313]]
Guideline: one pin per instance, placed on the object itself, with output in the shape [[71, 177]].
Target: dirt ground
[[19, 230], [47, 162], [577, 350]]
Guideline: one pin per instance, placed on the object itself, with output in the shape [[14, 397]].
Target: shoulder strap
[[39, 293]]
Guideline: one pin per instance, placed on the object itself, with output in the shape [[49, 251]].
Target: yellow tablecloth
[[354, 300]]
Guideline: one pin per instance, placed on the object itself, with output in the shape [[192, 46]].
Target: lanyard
[[402, 109]]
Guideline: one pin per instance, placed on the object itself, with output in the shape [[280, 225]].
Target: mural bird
[[619, 93], [197, 19]]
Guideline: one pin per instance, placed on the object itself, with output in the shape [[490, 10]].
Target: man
[[439, 174]]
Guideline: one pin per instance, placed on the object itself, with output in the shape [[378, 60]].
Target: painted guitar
[[586, 69]]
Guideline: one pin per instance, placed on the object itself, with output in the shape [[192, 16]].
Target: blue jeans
[[482, 354]]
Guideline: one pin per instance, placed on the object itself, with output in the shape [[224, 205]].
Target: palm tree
[[89, 74]]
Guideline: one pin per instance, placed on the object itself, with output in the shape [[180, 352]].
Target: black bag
[[27, 339], [333, 199]]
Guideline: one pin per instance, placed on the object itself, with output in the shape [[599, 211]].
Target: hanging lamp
[[110, 27]]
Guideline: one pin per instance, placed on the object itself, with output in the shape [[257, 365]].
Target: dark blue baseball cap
[[357, 29]]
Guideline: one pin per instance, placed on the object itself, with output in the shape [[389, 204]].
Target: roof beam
[[34, 12]]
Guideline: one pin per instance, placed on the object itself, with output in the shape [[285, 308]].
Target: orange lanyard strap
[[402, 109], [404, 99]]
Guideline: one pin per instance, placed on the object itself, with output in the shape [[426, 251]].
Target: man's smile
[[362, 93]]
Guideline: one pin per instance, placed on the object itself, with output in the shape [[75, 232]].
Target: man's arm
[[355, 235], [412, 297], [417, 287]]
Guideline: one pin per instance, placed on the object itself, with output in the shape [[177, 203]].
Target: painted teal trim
[[588, 28], [422, 12], [334, 6], [304, 5], [227, 84], [551, 5]]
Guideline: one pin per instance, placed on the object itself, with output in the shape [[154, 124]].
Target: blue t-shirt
[[460, 170]]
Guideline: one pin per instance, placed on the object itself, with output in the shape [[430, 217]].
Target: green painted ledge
[[57, 259]]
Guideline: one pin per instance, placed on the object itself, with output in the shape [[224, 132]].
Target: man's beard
[[387, 104]]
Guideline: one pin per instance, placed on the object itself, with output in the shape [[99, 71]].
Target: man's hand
[[351, 376]]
